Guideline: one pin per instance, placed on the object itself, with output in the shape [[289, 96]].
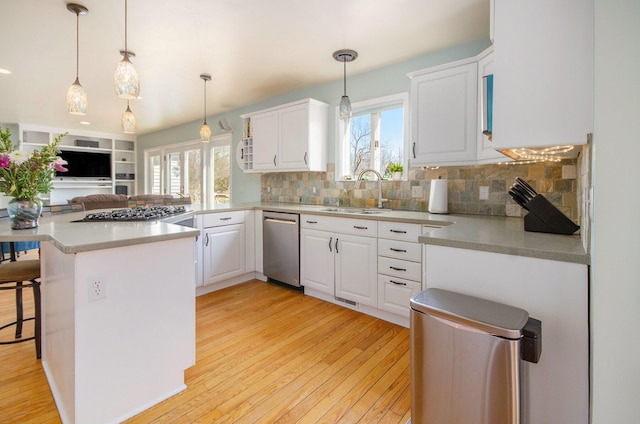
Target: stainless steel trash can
[[465, 358]]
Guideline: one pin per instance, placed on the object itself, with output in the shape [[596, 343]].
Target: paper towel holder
[[438, 196]]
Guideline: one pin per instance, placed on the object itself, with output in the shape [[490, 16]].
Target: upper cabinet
[[544, 72], [443, 114], [290, 137]]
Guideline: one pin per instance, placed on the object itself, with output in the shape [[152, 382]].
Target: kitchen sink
[[358, 211]]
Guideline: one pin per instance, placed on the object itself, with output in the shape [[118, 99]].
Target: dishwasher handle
[[280, 221]]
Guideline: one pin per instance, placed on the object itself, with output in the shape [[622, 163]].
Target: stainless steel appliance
[[465, 359], [281, 247]]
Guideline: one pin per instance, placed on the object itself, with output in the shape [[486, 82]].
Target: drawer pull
[[398, 250], [398, 231], [312, 222], [226, 218], [360, 228], [398, 269], [397, 283]]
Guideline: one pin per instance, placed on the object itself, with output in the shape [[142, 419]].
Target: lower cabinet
[[226, 246], [341, 263], [224, 252], [399, 266]]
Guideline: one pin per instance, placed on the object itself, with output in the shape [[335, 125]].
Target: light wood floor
[[265, 354]]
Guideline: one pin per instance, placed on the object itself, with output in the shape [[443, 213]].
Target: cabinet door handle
[[397, 269], [360, 228], [206, 239], [305, 158], [330, 240], [337, 251], [312, 222], [414, 150], [274, 160], [398, 231], [397, 283], [398, 250]]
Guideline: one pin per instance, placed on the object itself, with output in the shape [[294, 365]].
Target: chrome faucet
[[380, 199]]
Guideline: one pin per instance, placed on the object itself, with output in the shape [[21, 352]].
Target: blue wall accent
[[380, 82]]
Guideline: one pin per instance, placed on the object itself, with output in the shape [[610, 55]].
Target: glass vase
[[24, 213]]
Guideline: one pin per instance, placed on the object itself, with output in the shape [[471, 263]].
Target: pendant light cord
[[77, 45], [205, 101], [344, 63], [126, 49]]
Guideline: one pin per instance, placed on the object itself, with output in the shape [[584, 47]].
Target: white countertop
[[475, 232]]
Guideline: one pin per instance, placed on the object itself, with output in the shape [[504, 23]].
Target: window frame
[[342, 149], [206, 152]]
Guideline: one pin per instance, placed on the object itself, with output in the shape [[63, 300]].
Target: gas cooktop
[[139, 213]]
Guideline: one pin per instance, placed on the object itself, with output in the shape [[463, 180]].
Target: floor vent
[[350, 302]]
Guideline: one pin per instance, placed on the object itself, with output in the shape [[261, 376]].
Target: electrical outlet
[[97, 289], [484, 192]]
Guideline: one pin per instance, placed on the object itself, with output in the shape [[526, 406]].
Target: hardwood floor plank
[[264, 354]]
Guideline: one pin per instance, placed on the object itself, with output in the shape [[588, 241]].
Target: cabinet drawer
[[400, 250], [222, 218], [400, 268], [394, 294], [399, 231], [358, 227]]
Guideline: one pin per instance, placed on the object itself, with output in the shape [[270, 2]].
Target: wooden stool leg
[[19, 312], [38, 328]]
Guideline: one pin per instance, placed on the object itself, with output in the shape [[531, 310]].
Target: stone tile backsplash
[[557, 181]]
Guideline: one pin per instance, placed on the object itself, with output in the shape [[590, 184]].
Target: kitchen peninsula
[[118, 313]]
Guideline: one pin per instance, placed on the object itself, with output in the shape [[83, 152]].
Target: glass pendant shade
[[77, 99], [205, 132], [128, 121], [126, 82], [76, 96], [345, 107]]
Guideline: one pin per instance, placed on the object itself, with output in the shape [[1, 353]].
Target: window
[[181, 169], [375, 137]]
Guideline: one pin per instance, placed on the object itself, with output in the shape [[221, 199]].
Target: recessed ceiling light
[[4, 71], [85, 122]]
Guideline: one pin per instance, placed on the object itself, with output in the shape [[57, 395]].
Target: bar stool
[[17, 276]]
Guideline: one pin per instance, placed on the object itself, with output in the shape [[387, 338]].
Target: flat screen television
[[86, 164]]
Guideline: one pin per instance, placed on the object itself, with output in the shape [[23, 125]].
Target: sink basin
[[373, 211], [359, 211], [341, 210]]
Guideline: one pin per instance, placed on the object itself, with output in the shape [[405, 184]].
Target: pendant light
[[345, 56], [128, 121], [126, 82], [76, 96], [205, 130]]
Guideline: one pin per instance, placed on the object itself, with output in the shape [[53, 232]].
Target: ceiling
[[254, 50]]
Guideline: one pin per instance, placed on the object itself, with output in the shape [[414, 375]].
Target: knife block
[[543, 217]]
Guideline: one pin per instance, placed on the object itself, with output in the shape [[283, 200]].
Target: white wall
[[615, 284]]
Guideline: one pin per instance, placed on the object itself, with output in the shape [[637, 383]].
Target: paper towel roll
[[438, 196]]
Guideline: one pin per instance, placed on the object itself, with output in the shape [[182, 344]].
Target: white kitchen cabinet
[[356, 276], [338, 257], [290, 137], [317, 260], [443, 114], [485, 152], [224, 252], [554, 292], [399, 265], [544, 72]]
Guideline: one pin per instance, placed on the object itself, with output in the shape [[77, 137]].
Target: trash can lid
[[481, 314]]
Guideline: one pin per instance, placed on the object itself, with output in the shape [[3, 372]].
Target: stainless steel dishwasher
[[281, 247]]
